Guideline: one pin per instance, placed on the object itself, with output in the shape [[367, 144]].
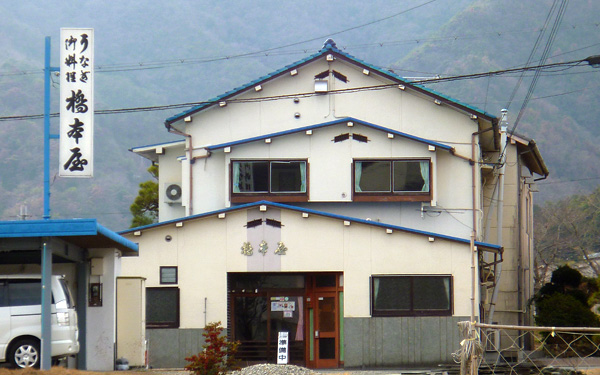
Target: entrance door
[[326, 326]]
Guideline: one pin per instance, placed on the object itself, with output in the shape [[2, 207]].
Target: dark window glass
[[431, 293], [325, 281], [168, 275], [267, 177], [251, 315], [373, 176], [286, 177], [411, 295], [3, 296], [239, 282], [388, 177], [24, 292], [327, 348], [162, 307], [253, 176], [409, 176]]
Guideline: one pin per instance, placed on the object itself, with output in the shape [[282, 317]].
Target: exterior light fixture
[[222, 104]]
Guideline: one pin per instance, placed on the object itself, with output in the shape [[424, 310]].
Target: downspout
[[191, 160], [474, 257], [500, 209]]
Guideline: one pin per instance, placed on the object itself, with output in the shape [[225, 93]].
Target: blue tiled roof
[[320, 213], [325, 124], [329, 47]]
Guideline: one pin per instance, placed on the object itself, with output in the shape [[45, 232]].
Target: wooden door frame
[[312, 293]]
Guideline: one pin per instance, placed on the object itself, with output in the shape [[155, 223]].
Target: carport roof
[[85, 233]]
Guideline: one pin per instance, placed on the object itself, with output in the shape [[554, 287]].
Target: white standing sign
[[76, 153], [282, 348]]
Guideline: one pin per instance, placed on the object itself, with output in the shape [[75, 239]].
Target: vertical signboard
[[76, 154], [282, 348]]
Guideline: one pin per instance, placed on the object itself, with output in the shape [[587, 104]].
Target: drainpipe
[[473, 162], [191, 160], [500, 209]]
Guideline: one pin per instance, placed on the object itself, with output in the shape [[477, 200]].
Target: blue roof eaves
[[411, 83], [133, 149], [48, 228], [325, 124], [61, 228], [328, 47], [113, 236], [242, 88], [320, 213]]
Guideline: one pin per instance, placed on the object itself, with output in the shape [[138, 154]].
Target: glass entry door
[[326, 330]]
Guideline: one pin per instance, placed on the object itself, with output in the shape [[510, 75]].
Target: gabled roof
[[331, 48], [330, 123], [85, 233], [151, 151], [530, 154], [487, 246]]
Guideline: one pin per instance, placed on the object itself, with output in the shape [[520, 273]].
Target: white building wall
[[206, 249], [101, 320]]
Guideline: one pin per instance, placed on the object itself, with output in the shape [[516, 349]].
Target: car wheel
[[25, 353]]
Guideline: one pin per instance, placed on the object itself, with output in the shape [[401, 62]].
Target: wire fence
[[503, 349]]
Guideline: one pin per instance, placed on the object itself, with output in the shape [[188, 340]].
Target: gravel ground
[[270, 369]]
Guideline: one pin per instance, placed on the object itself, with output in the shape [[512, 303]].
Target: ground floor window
[[409, 295], [162, 307]]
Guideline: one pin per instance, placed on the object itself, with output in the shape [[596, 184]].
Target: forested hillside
[[155, 53]]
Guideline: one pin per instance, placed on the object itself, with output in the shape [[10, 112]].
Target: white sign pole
[[76, 151]]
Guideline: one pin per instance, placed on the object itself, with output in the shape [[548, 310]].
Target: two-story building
[[340, 203]]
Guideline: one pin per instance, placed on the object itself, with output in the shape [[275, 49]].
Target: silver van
[[20, 320]]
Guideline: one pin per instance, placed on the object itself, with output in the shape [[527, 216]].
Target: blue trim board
[[325, 124], [315, 212], [64, 228], [329, 48]]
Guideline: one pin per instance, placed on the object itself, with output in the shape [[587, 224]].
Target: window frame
[[161, 268], [166, 324], [392, 196], [246, 197], [411, 312]]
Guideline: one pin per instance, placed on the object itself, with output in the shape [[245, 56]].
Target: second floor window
[[402, 177], [268, 177]]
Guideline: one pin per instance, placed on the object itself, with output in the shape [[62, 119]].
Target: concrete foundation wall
[[402, 341], [168, 348]]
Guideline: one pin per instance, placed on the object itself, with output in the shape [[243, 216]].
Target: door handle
[[316, 334]]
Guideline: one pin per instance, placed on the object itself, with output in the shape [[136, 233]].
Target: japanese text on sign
[[76, 102], [282, 348]]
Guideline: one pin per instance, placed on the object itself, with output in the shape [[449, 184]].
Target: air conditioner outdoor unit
[[172, 193]]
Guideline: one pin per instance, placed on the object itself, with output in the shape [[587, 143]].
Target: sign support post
[[47, 136]]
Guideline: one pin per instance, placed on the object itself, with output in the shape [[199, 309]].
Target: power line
[[568, 65], [269, 50], [152, 65]]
